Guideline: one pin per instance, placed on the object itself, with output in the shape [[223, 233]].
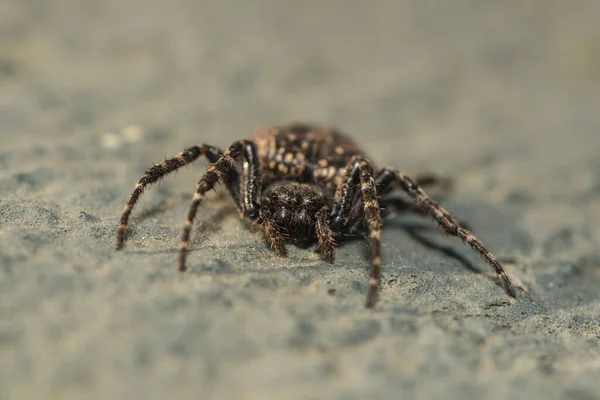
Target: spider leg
[[425, 180], [344, 195], [325, 236], [274, 234], [353, 221], [359, 170], [224, 168], [155, 173], [434, 181], [443, 184], [251, 182], [387, 177], [446, 220]]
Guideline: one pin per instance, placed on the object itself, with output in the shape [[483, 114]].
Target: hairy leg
[[157, 172], [224, 168], [360, 172], [275, 237], [446, 220], [325, 236], [428, 181]]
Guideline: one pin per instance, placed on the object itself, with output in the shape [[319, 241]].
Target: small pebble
[[87, 217]]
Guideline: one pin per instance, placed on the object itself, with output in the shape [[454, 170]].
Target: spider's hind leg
[[157, 172], [430, 207]]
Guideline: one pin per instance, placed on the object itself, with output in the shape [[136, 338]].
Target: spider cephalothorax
[[305, 183]]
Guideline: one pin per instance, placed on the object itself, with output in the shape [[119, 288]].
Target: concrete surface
[[502, 96]]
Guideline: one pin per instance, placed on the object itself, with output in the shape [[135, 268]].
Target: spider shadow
[[160, 208], [395, 207], [211, 224], [416, 230]]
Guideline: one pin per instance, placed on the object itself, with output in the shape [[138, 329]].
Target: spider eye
[[282, 214], [251, 211], [302, 215], [338, 222]]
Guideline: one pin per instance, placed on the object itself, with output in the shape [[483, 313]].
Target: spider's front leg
[[325, 235], [224, 168], [157, 172], [274, 235], [359, 173], [387, 176]]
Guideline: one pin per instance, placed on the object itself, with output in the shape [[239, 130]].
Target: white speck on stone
[[132, 133], [111, 141]]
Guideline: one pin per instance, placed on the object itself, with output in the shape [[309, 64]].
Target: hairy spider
[[305, 183]]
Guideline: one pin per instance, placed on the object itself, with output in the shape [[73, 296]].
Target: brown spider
[[305, 183]]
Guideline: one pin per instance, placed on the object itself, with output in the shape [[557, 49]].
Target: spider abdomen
[[304, 151]]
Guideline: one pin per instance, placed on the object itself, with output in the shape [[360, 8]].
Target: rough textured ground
[[503, 96]]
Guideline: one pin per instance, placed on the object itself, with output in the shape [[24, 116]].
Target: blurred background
[[502, 96]]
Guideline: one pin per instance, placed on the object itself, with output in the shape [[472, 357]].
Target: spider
[[305, 183]]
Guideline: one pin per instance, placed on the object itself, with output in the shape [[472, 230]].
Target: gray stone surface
[[502, 96]]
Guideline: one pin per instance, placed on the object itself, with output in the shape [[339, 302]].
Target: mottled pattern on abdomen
[[288, 150]]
